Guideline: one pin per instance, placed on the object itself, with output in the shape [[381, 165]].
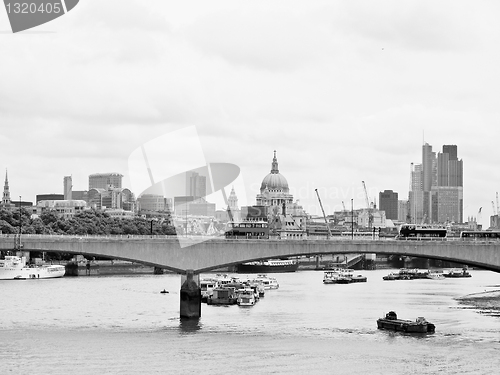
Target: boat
[[224, 295], [358, 279], [435, 275], [342, 276], [15, 268], [207, 286], [245, 297], [391, 322], [457, 272], [391, 276], [257, 286], [267, 282], [268, 266], [404, 274]]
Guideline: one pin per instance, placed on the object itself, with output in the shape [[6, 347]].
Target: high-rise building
[[68, 187], [403, 211], [447, 195], [416, 194], [428, 180], [105, 180], [388, 202], [196, 185]]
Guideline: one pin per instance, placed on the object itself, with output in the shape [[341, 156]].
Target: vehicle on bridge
[[421, 232], [480, 234], [247, 230]]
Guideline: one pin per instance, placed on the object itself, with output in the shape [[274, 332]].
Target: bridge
[[165, 251]]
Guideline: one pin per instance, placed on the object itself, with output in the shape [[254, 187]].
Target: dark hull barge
[[391, 322]]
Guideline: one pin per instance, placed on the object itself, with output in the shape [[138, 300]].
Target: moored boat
[[267, 282], [435, 275], [457, 272], [268, 266], [391, 322], [224, 295], [207, 287], [245, 297], [342, 276], [15, 268]]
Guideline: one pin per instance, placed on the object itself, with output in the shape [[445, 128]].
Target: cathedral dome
[[274, 180]]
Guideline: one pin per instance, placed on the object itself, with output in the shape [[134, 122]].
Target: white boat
[[338, 276], [15, 268], [435, 275], [207, 287], [246, 297], [267, 282]]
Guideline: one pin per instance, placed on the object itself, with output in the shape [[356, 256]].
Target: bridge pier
[[190, 303]]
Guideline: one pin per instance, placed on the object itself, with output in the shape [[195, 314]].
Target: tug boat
[[15, 268], [391, 322]]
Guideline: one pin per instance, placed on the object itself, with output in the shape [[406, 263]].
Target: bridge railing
[[222, 237]]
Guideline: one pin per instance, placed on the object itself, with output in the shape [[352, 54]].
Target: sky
[[344, 91]]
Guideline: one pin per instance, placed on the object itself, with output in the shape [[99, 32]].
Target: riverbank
[[487, 303]]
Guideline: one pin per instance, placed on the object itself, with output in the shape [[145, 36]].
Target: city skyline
[[343, 92]]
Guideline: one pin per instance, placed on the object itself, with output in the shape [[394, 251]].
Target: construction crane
[[498, 207], [324, 216], [366, 195], [368, 206]]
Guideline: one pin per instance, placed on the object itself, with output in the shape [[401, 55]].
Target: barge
[[391, 322]]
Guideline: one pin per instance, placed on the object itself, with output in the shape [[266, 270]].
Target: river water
[[123, 325]]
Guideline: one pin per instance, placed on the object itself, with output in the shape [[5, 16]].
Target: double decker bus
[[480, 235], [421, 232], [247, 230]]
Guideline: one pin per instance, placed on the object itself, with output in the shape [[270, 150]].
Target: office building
[[436, 187], [388, 202], [196, 185], [68, 187], [49, 197], [104, 180]]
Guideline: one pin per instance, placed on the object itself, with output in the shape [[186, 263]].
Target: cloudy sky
[[344, 91]]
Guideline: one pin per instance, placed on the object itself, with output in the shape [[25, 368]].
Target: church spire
[[6, 193], [274, 168]]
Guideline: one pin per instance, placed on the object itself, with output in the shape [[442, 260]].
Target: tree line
[[90, 222]]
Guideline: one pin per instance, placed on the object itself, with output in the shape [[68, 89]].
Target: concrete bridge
[[165, 252]]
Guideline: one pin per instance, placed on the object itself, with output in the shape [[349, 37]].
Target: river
[[123, 325]]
